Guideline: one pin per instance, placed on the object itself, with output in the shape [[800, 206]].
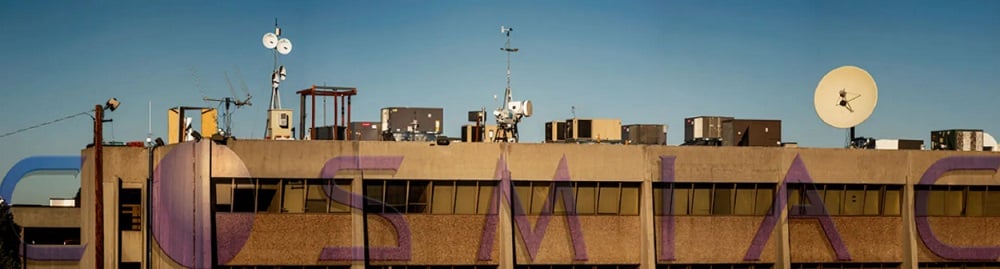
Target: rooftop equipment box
[[897, 144], [326, 132], [413, 119], [644, 134], [366, 131], [961, 140], [703, 127], [751, 133], [472, 133], [555, 131], [578, 130]]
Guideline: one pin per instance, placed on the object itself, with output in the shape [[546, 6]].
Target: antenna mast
[[510, 112], [283, 46]]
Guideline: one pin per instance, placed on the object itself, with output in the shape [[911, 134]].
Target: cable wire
[[45, 123]]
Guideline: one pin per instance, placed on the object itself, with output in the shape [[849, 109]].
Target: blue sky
[[935, 63]]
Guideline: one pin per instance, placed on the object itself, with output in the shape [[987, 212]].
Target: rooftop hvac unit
[[704, 128], [752, 133], [413, 120], [644, 134], [555, 131], [366, 131], [472, 133], [596, 130], [960, 140]]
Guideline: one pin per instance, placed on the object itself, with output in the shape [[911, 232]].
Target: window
[[130, 209], [578, 266], [852, 265], [278, 195], [961, 265], [716, 266], [845, 199], [605, 198], [964, 201], [429, 197], [702, 199]]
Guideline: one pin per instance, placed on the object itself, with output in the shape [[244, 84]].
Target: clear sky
[[936, 63]]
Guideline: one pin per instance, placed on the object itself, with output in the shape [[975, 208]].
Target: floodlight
[[112, 104]]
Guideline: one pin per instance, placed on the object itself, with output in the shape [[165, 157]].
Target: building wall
[[299, 238]]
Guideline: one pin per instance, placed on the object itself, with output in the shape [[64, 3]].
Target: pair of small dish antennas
[[280, 45]]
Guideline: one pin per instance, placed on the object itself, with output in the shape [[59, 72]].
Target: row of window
[[850, 265], [846, 199], [589, 198], [429, 197], [578, 266], [717, 266], [756, 199], [973, 201], [474, 197], [279, 195], [960, 265], [700, 199]]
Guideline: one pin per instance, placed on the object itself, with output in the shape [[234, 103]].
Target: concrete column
[[646, 217]]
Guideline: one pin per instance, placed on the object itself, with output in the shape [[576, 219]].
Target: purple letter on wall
[[797, 173], [532, 237], [923, 224], [400, 252]]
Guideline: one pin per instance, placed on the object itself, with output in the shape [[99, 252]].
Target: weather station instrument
[[510, 112], [846, 97], [279, 121]]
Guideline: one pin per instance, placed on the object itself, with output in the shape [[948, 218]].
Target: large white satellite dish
[[284, 46], [270, 40], [845, 97]]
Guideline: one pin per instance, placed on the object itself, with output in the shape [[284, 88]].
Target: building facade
[[337, 204]]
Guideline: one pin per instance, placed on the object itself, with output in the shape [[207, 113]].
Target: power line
[[46, 123]]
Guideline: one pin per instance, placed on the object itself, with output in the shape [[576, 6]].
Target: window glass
[[723, 199], [224, 195], [336, 206], [701, 200], [267, 196], [974, 201], [608, 198], [833, 197], [681, 199], [873, 200], [891, 201], [374, 191], [935, 202], [522, 191], [953, 201], [564, 190], [658, 200], [293, 197], [395, 196], [465, 197], [630, 199], [316, 201], [854, 200], [992, 202], [744, 199], [244, 195], [539, 196], [444, 196], [586, 194], [486, 189], [765, 198], [417, 197]]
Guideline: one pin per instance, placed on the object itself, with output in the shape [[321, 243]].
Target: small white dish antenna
[[989, 141], [845, 97], [270, 40], [284, 46]]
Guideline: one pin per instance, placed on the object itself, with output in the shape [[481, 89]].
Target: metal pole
[[335, 118], [302, 116], [98, 187], [313, 116], [348, 127]]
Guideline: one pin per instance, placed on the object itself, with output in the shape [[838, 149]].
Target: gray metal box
[[366, 131], [413, 119], [960, 140], [703, 127], [644, 134]]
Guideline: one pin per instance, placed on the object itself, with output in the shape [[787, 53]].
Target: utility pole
[[99, 187]]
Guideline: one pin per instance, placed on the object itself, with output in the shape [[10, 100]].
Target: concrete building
[[297, 204]]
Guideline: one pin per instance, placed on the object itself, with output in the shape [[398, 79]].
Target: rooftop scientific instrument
[[510, 112], [846, 97], [279, 121]]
